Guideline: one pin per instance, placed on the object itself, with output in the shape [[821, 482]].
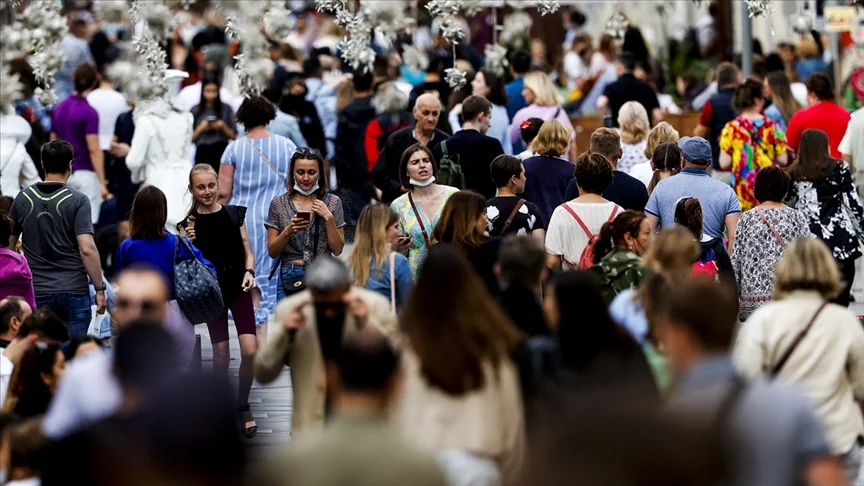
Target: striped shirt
[[256, 184]]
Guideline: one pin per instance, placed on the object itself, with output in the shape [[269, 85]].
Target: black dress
[[218, 237]]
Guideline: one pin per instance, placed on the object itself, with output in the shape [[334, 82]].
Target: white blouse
[[17, 170]]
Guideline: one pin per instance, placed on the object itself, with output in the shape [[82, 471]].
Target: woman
[[16, 279], [461, 389], [220, 233], [828, 365], [548, 173], [17, 170], [305, 222], [508, 213], [150, 244], [713, 259], [822, 189], [666, 162], [528, 131], [617, 252], [489, 85], [660, 134], [35, 380], [420, 208], [214, 124], [809, 58], [633, 120], [783, 104], [373, 262], [762, 236], [543, 102], [575, 68], [750, 142], [463, 224], [575, 223], [254, 172]]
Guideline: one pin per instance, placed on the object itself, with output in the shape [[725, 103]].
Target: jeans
[[852, 462], [73, 309], [288, 271]]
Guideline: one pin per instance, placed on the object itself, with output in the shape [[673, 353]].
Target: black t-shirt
[[474, 152], [527, 219], [625, 191], [218, 237], [628, 88]]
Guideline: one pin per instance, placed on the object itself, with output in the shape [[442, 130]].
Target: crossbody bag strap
[[419, 220], [771, 227], [800, 337], [393, 282], [264, 157], [578, 220], [509, 220]]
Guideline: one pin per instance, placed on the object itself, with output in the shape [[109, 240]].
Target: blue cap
[[695, 149]]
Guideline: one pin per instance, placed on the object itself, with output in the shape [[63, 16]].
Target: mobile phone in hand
[[304, 215]]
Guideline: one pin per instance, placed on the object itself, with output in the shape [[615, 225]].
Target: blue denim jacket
[[404, 280]]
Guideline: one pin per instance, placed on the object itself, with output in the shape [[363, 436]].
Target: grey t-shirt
[[51, 215]]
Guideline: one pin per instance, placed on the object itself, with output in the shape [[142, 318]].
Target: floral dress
[[408, 220], [753, 144], [756, 251]]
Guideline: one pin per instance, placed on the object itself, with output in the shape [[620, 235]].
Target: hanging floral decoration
[[110, 10], [10, 90], [354, 47], [277, 20], [387, 16], [46, 26], [758, 8], [617, 25], [546, 7], [151, 68], [516, 26], [254, 67], [156, 15], [414, 58], [496, 58], [456, 78], [801, 22], [446, 11]]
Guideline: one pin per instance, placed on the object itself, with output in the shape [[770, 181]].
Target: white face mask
[[414, 182], [306, 193]]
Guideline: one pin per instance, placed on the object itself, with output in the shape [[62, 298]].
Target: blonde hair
[[196, 169], [633, 120], [370, 242], [673, 250], [544, 91], [807, 48], [553, 139], [662, 133], [807, 264]]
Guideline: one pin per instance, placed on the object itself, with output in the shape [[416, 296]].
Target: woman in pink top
[[543, 103], [15, 276]]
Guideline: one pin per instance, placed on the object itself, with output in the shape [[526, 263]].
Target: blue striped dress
[[256, 184]]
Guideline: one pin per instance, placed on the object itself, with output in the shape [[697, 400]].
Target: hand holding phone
[[304, 215]]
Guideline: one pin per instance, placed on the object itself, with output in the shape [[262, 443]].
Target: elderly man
[[311, 327], [427, 109], [13, 311]]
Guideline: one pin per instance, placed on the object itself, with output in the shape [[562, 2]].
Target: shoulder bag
[[509, 219], [196, 287], [296, 284], [419, 220], [771, 227], [800, 337]]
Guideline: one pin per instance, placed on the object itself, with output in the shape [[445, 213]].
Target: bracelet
[[250, 271], [100, 289]]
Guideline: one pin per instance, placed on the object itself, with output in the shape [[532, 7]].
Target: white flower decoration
[[521, 232], [531, 221]]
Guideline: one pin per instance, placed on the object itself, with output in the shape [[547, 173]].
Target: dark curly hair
[[820, 85], [746, 95], [593, 173], [256, 111], [612, 234], [772, 184]]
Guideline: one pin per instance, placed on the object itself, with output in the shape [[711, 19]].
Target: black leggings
[[847, 272]]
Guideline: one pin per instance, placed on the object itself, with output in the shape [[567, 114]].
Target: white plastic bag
[[100, 325]]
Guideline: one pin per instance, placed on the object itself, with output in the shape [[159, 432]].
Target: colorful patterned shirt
[[410, 227], [753, 144]]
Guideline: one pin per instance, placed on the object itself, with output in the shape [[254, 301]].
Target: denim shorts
[[288, 271], [73, 309]]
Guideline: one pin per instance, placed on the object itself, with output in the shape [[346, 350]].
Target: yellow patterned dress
[[753, 145], [408, 220]]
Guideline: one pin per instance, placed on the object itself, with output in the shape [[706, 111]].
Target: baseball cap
[[695, 149]]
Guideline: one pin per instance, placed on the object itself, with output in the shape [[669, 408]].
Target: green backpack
[[449, 170]]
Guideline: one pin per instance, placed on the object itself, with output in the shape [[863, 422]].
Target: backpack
[[449, 170], [586, 260], [706, 267]]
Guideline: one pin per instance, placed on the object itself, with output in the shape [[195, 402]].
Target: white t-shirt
[[109, 104], [565, 236], [191, 96], [6, 368], [574, 68], [642, 172], [799, 92]]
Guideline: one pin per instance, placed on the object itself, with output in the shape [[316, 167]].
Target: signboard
[[840, 19]]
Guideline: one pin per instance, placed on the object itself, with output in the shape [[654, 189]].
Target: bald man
[[427, 110]]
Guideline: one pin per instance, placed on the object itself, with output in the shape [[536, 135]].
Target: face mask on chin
[[311, 190], [414, 182]]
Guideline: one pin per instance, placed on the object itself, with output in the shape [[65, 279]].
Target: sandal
[[250, 428]]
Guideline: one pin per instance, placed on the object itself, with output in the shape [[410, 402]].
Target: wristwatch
[[250, 272], [100, 289]]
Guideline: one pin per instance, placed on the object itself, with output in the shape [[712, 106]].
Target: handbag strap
[[509, 220], [267, 160], [771, 227], [393, 282], [800, 337], [419, 220]]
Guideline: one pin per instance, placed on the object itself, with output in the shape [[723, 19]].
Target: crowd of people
[[461, 294]]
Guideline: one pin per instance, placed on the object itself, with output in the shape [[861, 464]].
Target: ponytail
[[666, 158], [603, 243], [612, 234], [688, 213]]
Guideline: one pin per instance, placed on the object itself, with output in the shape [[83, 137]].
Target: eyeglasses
[[308, 152]]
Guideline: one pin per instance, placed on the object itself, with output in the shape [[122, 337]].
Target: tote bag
[[196, 287]]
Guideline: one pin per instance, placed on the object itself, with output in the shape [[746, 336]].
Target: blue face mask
[[311, 190]]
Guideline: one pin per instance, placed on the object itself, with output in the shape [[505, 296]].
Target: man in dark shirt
[[471, 148], [628, 88], [718, 111], [625, 190], [385, 174], [434, 84]]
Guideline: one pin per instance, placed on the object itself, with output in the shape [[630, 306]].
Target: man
[[823, 114], [58, 240], [294, 103], [628, 88], [625, 190], [426, 111], [350, 160], [42, 325], [717, 112], [520, 64], [89, 390], [521, 271], [74, 50], [109, 105], [13, 311], [472, 148], [349, 451], [852, 148], [76, 122], [313, 324], [434, 82], [777, 437], [720, 206]]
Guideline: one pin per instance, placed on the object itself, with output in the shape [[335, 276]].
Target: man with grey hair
[[308, 332], [427, 110]]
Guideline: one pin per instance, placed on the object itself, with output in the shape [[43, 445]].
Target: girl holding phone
[[219, 231], [303, 223], [214, 124]]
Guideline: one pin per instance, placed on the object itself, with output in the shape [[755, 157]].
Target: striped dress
[[256, 184]]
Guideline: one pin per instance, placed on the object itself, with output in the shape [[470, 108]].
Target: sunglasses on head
[[308, 152]]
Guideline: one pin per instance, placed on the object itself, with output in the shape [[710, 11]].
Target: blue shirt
[[547, 180], [284, 125], [159, 254], [718, 200], [514, 95], [773, 114], [402, 276]]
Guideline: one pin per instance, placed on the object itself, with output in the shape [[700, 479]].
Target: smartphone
[[404, 240], [607, 122], [210, 119], [304, 215]]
